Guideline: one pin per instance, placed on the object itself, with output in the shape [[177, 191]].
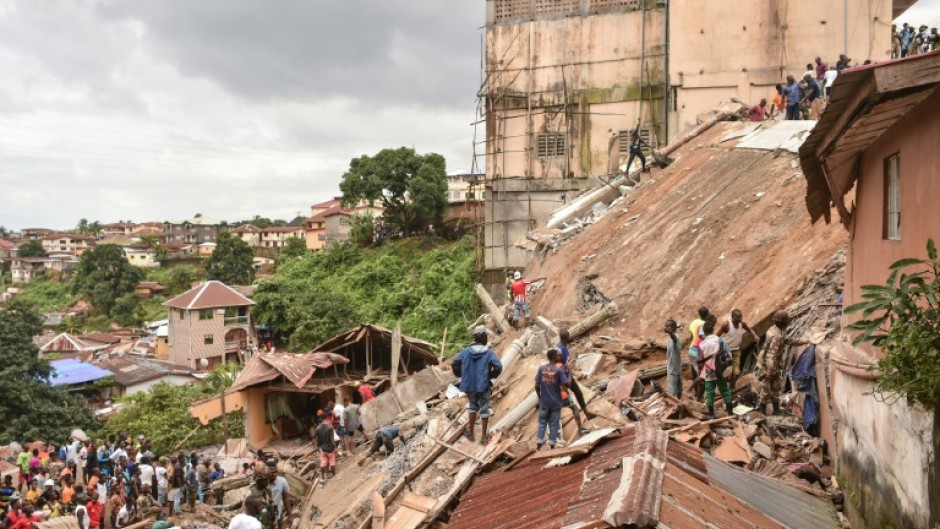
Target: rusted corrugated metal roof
[[294, 367], [694, 491]]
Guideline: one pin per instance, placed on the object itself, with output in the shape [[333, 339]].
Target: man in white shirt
[[249, 518], [118, 452], [160, 472], [146, 471], [831, 75], [123, 516]]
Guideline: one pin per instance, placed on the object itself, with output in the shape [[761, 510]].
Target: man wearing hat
[[476, 366], [520, 306]]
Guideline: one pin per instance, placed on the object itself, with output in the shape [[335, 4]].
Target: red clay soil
[[703, 237]]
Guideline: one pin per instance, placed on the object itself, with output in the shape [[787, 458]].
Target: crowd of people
[[909, 41], [119, 482]]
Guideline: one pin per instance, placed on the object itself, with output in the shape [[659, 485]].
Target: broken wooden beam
[[458, 450], [231, 482], [593, 320], [546, 325], [702, 423], [492, 308], [514, 350], [378, 510]]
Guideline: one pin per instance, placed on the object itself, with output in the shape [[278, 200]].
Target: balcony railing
[[235, 346], [236, 320]]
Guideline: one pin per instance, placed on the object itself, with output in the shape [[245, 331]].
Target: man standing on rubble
[[673, 360], [734, 327], [636, 149], [712, 369], [768, 362], [249, 518], [695, 329], [564, 338], [326, 442], [550, 382], [792, 92], [520, 305], [476, 366]]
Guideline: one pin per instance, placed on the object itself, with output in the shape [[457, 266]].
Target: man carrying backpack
[[715, 358], [476, 366]]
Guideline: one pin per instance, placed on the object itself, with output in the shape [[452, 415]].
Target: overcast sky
[[159, 109]]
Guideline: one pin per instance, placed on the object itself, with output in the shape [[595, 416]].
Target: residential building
[[134, 374], [463, 185], [331, 222], [149, 289], [196, 230], [149, 230], [566, 82], [66, 344], [117, 229], [61, 262], [179, 251], [141, 255], [25, 269], [870, 160], [33, 234], [249, 233], [8, 250], [277, 236], [209, 322], [73, 243], [205, 249]]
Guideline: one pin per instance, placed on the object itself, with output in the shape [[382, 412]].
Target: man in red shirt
[[520, 306], [759, 111], [366, 392], [94, 511]]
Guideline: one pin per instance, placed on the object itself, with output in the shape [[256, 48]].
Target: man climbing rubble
[[564, 338], [768, 363], [673, 360], [326, 442], [636, 149], [384, 437], [476, 366], [520, 306], [714, 355], [262, 491], [734, 327]]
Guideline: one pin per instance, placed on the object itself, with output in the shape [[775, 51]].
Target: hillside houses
[[210, 322]]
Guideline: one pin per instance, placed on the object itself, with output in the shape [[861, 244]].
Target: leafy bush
[[177, 279], [46, 295], [903, 319], [426, 285]]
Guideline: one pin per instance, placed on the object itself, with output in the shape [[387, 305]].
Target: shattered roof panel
[[358, 333], [294, 367]]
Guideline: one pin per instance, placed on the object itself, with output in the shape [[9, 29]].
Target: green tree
[[160, 253], [82, 226], [32, 408], [31, 249], [294, 247], [902, 317], [222, 377], [412, 187], [362, 230], [126, 310], [231, 261], [103, 275], [180, 278], [4, 232]]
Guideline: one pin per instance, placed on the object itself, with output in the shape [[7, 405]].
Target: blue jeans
[[177, 497], [552, 418], [793, 111], [480, 403], [519, 309]]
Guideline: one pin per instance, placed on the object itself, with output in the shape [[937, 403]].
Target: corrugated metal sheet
[[637, 497], [211, 294], [528, 497], [296, 368], [71, 372]]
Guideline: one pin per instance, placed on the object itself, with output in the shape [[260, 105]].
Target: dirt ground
[[721, 227]]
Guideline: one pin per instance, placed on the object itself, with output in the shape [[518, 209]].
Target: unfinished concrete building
[[566, 80]]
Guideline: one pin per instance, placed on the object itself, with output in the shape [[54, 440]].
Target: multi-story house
[[249, 233], [277, 236], [330, 222], [25, 269], [74, 243], [117, 229], [33, 234], [196, 230], [141, 255], [868, 163], [463, 186], [210, 322]]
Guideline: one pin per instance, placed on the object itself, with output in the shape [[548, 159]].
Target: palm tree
[[95, 228], [82, 226]]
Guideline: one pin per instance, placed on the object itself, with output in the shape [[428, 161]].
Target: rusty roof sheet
[[296, 368], [694, 491], [210, 294]]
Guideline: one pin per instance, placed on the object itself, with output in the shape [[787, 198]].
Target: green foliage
[[222, 377], [31, 408], [177, 279], [46, 295], [903, 319], [362, 230], [412, 187], [104, 275], [97, 323], [151, 309], [294, 247], [162, 414], [231, 261], [31, 249], [427, 286], [125, 310], [261, 222]]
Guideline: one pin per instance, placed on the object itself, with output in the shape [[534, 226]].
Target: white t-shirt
[[831, 77], [85, 521], [243, 521], [123, 516], [161, 476], [116, 455], [146, 474], [338, 410]]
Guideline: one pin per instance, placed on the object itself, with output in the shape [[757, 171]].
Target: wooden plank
[[378, 510], [418, 502], [492, 308], [405, 518], [396, 352], [703, 423], [459, 451]]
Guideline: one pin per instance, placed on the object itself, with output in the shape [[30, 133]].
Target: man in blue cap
[[476, 366]]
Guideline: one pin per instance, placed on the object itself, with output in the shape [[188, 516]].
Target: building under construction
[[565, 81]]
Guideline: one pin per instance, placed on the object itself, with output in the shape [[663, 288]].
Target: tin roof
[[360, 333], [638, 479], [71, 372], [210, 294], [296, 368]]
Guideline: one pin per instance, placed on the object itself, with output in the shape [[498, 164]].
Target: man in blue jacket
[[476, 366]]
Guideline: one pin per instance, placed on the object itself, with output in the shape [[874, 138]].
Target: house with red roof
[[330, 221], [210, 322]]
